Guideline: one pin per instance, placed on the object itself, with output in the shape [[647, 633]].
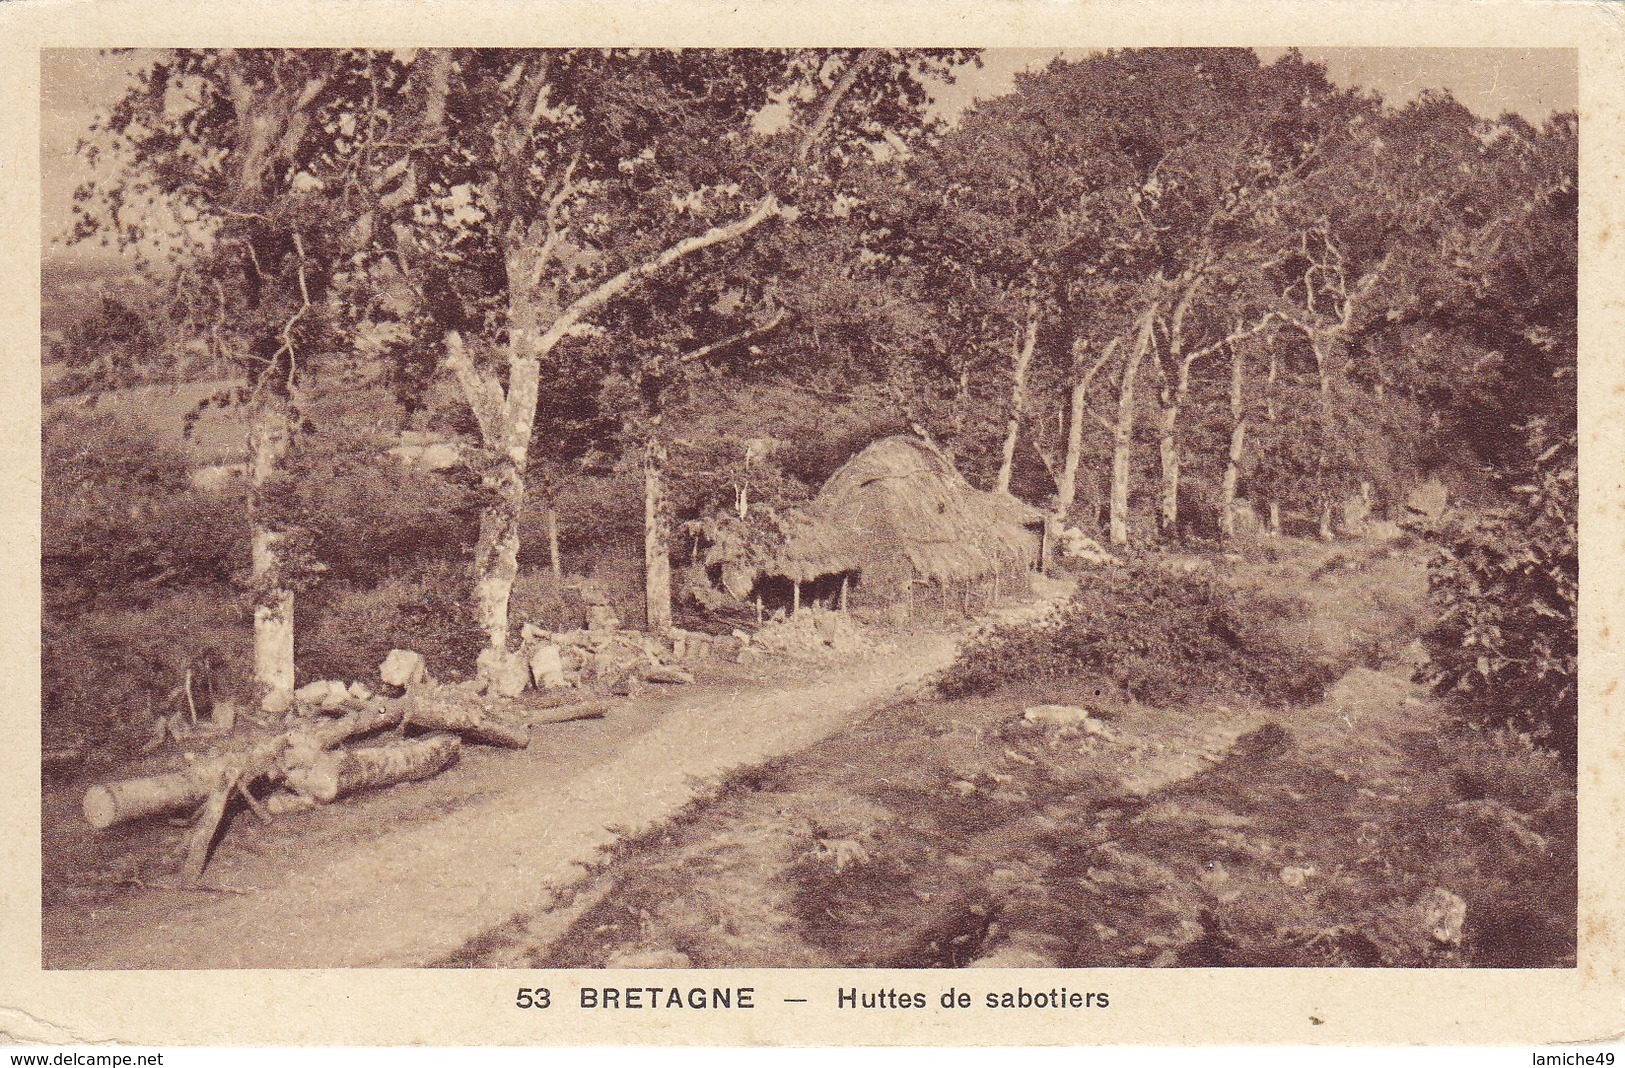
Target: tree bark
[[656, 540], [333, 775], [553, 545], [1238, 440], [273, 602], [1066, 489], [1021, 358], [1123, 431], [1274, 527], [1323, 460]]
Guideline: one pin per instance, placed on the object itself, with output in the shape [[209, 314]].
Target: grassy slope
[[941, 832]]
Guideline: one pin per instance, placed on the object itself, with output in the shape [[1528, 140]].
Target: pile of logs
[[306, 766]]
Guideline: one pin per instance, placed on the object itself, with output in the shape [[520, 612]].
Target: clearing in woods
[[825, 819]]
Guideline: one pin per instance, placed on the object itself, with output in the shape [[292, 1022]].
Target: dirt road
[[411, 874]]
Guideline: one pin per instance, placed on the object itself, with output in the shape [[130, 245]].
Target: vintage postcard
[[879, 524]]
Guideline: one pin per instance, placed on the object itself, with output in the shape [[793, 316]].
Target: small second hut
[[898, 516]]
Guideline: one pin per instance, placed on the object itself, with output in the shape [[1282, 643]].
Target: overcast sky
[[75, 85]]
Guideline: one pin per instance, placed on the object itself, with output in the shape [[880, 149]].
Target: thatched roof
[[901, 497]]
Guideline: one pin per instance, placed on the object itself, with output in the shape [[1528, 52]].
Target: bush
[[344, 633], [102, 671], [1158, 634], [119, 517], [1506, 586]]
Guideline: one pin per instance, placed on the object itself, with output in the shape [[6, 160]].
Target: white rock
[[276, 702], [360, 691], [1056, 715], [1443, 915], [319, 692], [547, 668], [508, 673], [402, 667]]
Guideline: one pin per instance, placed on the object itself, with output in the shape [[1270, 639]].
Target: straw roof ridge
[[901, 496]]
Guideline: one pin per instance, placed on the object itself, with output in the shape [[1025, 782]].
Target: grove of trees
[[1140, 289]]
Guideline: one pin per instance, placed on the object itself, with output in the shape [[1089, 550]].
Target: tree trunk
[[1274, 527], [506, 423], [1123, 431], [1238, 440], [1066, 490], [1022, 358], [1323, 460], [273, 602], [656, 541], [1168, 449], [553, 545]]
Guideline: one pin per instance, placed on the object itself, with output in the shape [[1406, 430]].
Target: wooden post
[[758, 609], [843, 593], [553, 545], [795, 598]]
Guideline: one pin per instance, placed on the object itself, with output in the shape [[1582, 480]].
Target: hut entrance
[[834, 592]]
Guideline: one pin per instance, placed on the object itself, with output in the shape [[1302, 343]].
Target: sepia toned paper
[[224, 969]]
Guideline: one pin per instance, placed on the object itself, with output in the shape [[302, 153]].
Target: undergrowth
[[1160, 635]]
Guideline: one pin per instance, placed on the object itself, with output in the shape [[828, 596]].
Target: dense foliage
[[1157, 633], [1139, 286], [1507, 588]]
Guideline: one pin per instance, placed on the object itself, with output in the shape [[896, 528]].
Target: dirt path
[[412, 874]]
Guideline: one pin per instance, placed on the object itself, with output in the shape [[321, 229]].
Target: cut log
[[337, 774], [130, 799], [571, 713], [270, 761], [471, 724]]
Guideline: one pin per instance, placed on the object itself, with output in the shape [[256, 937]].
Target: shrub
[[102, 671], [344, 633], [119, 518], [1506, 586], [1158, 634]]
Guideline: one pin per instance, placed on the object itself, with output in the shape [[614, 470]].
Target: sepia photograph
[[554, 525], [809, 508]]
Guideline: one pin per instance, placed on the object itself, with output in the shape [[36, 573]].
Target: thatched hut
[[897, 516]]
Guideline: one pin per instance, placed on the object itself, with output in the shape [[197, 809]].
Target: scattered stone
[[1057, 716], [664, 674], [1443, 915], [508, 673], [223, 714], [276, 702], [402, 667], [1023, 949], [625, 684], [1076, 545], [1296, 877], [648, 958], [315, 693], [547, 668], [601, 618], [360, 691]]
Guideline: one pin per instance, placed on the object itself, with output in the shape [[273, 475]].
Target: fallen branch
[[571, 713]]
